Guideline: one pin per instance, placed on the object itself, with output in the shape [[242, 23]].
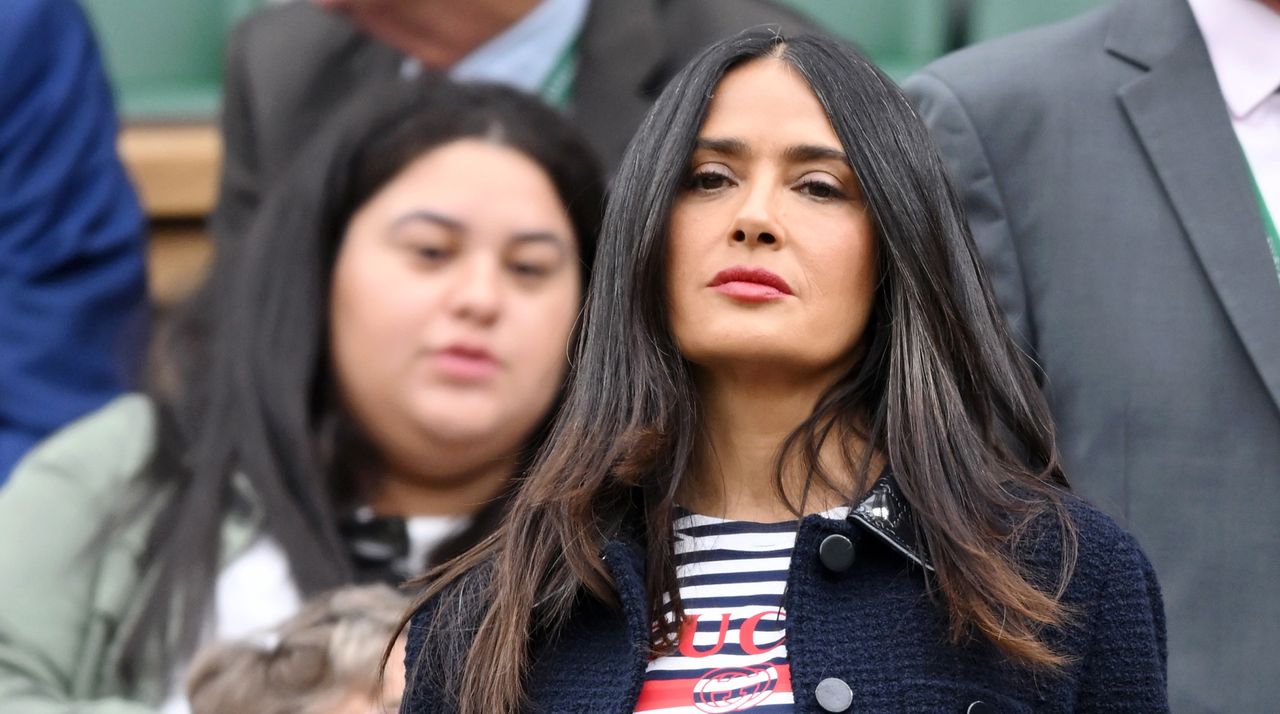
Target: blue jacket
[[871, 629], [72, 277]]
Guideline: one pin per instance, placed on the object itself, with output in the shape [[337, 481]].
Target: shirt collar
[[1243, 39], [526, 53]]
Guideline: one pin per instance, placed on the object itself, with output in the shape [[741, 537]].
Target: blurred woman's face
[[454, 292], [771, 255]]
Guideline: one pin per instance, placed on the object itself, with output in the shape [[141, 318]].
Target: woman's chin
[[470, 430]]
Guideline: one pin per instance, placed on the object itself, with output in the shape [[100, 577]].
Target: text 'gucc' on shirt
[[732, 651]]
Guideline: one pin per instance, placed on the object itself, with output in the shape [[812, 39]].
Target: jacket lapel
[[1177, 111], [885, 513]]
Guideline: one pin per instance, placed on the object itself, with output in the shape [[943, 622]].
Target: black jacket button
[[980, 707], [833, 694], [836, 553]]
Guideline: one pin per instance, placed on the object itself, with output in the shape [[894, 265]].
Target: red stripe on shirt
[[670, 693]]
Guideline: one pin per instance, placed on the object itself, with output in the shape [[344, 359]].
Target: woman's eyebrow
[[726, 147], [797, 153], [446, 222], [801, 153], [524, 237], [459, 228]]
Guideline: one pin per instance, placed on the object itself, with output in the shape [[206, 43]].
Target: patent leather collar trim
[[887, 515]]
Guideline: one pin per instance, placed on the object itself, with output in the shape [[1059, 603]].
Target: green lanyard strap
[[557, 88], [1268, 224]]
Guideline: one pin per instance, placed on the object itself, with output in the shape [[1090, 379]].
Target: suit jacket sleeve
[[239, 191], [72, 271], [961, 146]]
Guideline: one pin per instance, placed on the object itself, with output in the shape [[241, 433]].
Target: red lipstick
[[750, 284], [466, 363]]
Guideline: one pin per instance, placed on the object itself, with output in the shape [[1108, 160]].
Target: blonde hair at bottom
[[318, 662]]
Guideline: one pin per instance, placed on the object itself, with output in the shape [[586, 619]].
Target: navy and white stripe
[[732, 577]]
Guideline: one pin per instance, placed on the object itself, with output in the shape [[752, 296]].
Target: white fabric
[[1243, 38], [427, 532], [256, 592]]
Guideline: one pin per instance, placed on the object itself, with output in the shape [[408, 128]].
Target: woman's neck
[[403, 492], [746, 419]]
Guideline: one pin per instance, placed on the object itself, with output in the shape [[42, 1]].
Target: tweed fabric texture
[[876, 628]]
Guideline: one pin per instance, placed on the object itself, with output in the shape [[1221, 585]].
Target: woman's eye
[[530, 270], [532, 262], [821, 189], [707, 181], [431, 253]]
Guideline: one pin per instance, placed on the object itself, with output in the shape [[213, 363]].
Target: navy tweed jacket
[[867, 626]]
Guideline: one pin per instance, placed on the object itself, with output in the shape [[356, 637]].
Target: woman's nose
[[478, 291], [756, 223]]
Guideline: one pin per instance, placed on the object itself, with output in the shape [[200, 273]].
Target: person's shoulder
[[292, 30], [21, 18], [1027, 61], [1108, 558], [1095, 548], [35, 36], [454, 604], [1095, 529], [1115, 627], [440, 630], [99, 450], [273, 20]]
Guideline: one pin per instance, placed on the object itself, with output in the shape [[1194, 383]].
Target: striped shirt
[[732, 653]]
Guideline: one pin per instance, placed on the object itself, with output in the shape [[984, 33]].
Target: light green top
[[68, 583]]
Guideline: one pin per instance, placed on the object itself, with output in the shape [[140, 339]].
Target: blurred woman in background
[[801, 466], [348, 399]]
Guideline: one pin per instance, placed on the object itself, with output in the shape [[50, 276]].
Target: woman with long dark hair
[[347, 400], [800, 466]]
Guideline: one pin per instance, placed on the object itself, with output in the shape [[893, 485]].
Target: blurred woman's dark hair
[[940, 390], [244, 386]]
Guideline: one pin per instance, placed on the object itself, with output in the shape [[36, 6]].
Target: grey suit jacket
[[1112, 205], [292, 66]]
